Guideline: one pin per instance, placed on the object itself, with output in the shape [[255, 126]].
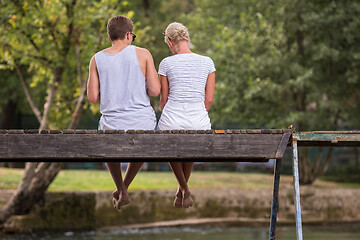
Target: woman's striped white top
[[187, 75]]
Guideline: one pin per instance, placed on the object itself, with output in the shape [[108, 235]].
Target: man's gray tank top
[[124, 103]]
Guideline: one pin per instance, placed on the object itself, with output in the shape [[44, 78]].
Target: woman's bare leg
[[187, 169], [178, 202], [131, 171], [177, 168]]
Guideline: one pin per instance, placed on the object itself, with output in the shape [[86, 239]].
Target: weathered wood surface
[[328, 138], [150, 146]]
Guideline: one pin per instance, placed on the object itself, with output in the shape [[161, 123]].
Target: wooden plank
[[253, 131], [149, 147], [282, 145], [219, 131], [329, 132], [16, 131], [344, 139]]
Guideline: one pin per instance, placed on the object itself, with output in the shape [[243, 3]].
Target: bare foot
[[124, 198], [120, 199], [115, 199], [178, 199], [187, 200]]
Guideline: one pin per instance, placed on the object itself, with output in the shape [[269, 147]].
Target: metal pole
[[297, 190], [275, 201]]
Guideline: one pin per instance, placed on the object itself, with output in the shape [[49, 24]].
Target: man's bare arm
[[152, 79], [93, 86]]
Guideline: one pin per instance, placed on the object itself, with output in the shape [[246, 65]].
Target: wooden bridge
[[252, 145]]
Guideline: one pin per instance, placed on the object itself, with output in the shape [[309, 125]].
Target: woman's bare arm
[[209, 91], [164, 91]]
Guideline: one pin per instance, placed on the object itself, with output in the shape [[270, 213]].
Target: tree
[[283, 62], [55, 41]]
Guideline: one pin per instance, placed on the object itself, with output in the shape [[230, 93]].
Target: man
[[121, 77]]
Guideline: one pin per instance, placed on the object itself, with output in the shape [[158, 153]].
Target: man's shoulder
[[143, 53], [142, 50], [98, 54], [101, 51]]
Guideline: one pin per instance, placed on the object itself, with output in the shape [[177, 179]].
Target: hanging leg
[[275, 200], [297, 191]]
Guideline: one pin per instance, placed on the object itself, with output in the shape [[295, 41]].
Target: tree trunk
[[76, 116], [47, 106], [81, 99], [27, 93], [312, 170], [305, 166], [146, 5], [36, 179]]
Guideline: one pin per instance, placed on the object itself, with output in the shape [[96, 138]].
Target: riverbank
[[95, 180], [73, 211]]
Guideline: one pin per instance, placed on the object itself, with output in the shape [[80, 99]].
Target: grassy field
[[88, 180]]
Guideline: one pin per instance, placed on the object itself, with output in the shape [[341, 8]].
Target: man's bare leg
[[131, 171], [121, 196]]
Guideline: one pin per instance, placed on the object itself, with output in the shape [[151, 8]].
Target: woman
[[187, 92]]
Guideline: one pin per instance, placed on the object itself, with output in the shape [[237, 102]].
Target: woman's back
[[187, 75]]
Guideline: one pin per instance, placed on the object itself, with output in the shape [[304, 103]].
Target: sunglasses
[[133, 36], [165, 35]]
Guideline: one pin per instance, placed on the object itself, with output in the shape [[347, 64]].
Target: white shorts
[[184, 116]]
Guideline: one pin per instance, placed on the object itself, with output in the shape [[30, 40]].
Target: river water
[[333, 232]]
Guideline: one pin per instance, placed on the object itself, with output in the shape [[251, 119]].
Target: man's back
[[124, 103]]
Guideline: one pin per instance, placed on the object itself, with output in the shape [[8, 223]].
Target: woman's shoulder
[[169, 58], [174, 59], [203, 56], [206, 60]]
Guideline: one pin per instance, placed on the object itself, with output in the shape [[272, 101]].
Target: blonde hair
[[176, 32]]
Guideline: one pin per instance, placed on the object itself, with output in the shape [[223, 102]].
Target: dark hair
[[118, 26]]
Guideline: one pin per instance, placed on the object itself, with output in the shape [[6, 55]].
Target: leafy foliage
[[278, 62], [282, 62], [45, 35]]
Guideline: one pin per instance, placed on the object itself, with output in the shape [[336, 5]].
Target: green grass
[[345, 181], [10, 178], [89, 180]]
